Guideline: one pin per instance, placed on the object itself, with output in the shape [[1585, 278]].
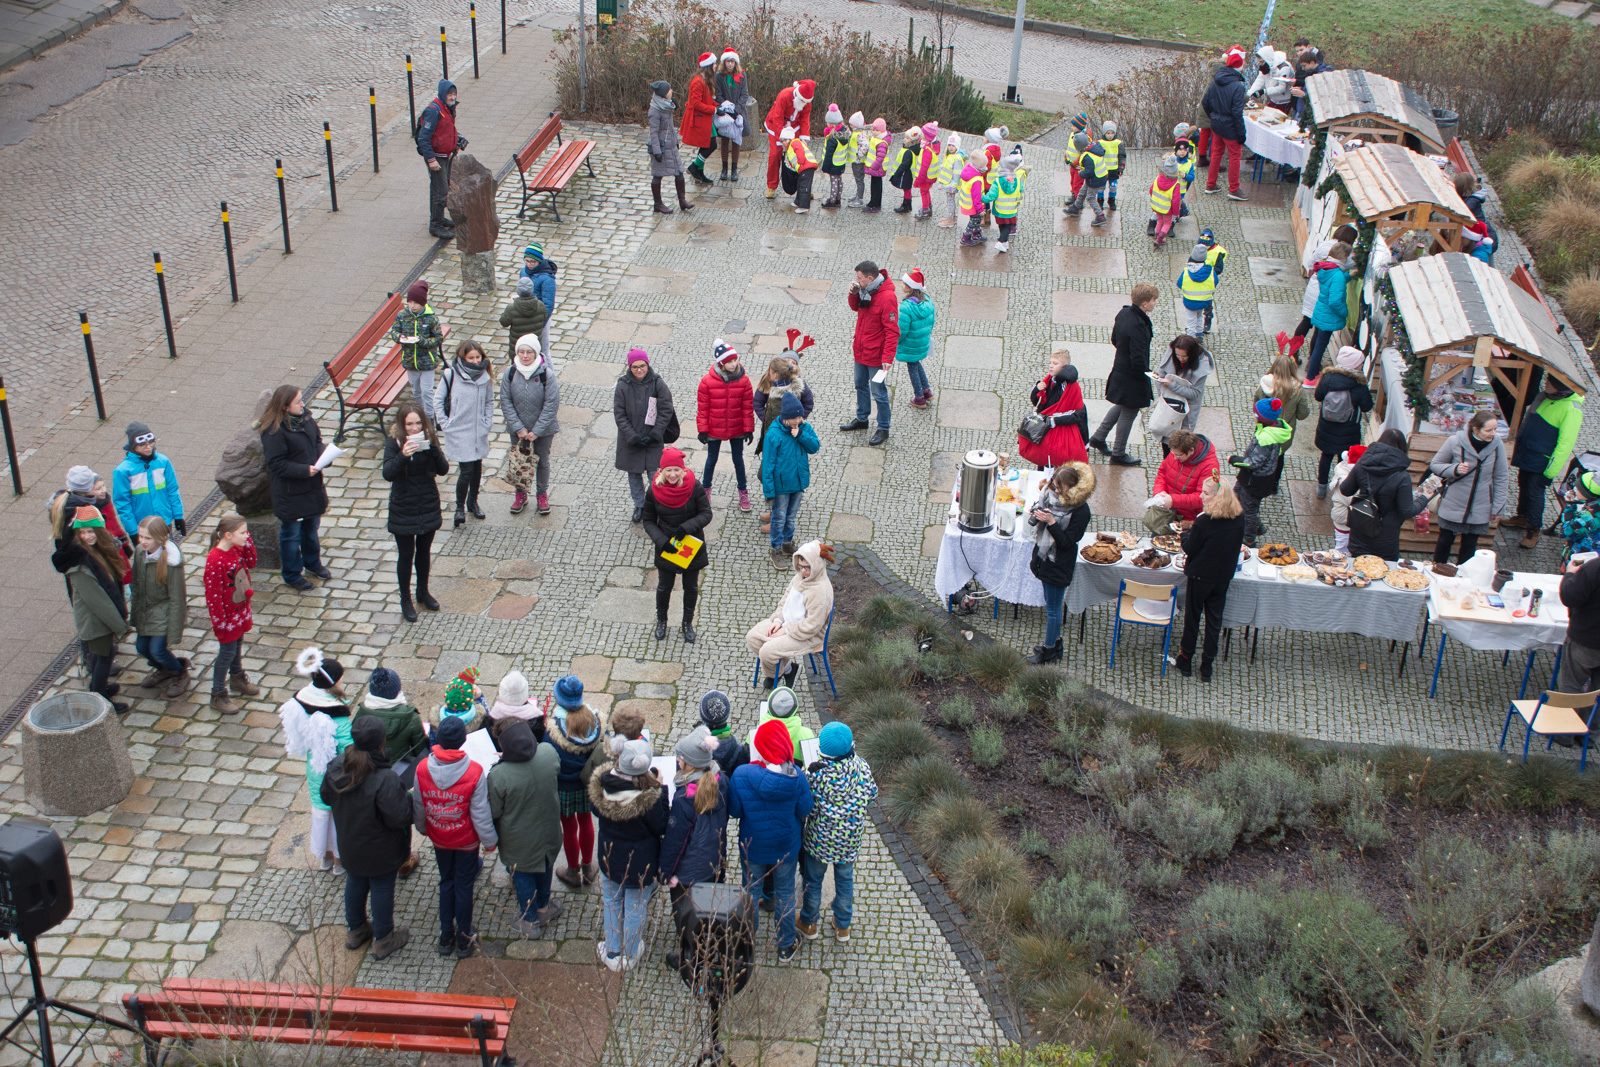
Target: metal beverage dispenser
[[976, 481]]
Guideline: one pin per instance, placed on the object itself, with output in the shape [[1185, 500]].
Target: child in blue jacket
[[786, 474], [916, 334], [542, 271], [1329, 315], [145, 484]]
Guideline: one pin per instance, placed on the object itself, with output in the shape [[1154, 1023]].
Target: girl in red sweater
[[228, 593], [725, 411]]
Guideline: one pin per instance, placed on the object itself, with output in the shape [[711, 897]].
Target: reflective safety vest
[[1186, 171], [798, 156], [950, 168], [1113, 149], [1092, 164], [1197, 290], [1006, 205], [839, 153], [872, 146], [1215, 256], [900, 155], [1161, 199], [860, 142], [967, 187]]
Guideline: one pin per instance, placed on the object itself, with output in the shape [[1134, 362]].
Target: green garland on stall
[[1414, 380], [1366, 232], [1313, 166]]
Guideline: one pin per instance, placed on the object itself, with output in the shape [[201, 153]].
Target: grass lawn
[[1023, 122], [1338, 25]]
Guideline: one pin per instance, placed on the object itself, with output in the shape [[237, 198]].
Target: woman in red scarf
[[676, 506], [1058, 398]]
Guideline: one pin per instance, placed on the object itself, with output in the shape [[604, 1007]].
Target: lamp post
[[1011, 96]]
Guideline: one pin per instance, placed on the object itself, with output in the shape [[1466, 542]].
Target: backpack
[[1338, 407]]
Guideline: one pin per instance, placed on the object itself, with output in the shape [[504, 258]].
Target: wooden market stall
[[1481, 343], [1369, 107], [1399, 192]]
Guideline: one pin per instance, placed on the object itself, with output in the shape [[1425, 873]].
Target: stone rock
[[242, 470], [477, 272], [470, 202], [1568, 983], [1589, 985]]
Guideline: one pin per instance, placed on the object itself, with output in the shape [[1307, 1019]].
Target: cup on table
[[1501, 577]]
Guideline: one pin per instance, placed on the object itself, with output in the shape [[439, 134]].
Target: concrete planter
[[74, 755]]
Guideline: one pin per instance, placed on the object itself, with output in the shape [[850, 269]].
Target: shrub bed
[[1162, 891]]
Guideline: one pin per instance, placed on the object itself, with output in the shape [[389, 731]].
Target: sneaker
[[299, 584], [1209, 189], [541, 504], [385, 947], [786, 954], [1099, 220], [612, 963], [787, 548], [519, 502], [549, 913], [904, 208], [177, 685], [771, 195], [781, 560], [1001, 246], [809, 931], [841, 932], [918, 402], [801, 210], [1530, 539], [446, 946], [354, 939], [744, 500], [927, 394], [1237, 194]]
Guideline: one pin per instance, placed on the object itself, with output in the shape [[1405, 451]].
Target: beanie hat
[[1012, 159], [728, 53], [836, 741], [857, 120], [708, 59], [1234, 57], [634, 759], [1268, 384], [384, 683], [81, 479], [513, 691], [530, 340], [524, 286], [879, 126], [637, 355], [1207, 238], [1108, 129], [914, 133], [1589, 485], [692, 748], [671, 457], [1476, 232], [1168, 167], [953, 142], [661, 88], [834, 115], [930, 131], [1080, 141], [451, 734], [786, 135], [1080, 122], [1269, 409], [773, 745], [417, 292], [139, 434], [914, 278], [715, 709], [722, 351], [535, 250], [1197, 254], [367, 734], [806, 89], [790, 407], [1182, 144], [782, 703], [569, 692], [458, 694], [1180, 132], [88, 517], [1349, 358]]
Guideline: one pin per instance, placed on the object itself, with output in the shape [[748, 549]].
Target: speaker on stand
[[716, 952], [35, 896]]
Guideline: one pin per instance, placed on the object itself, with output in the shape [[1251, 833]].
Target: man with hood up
[[437, 144], [1224, 107]]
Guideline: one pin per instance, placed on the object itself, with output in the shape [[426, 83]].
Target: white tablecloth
[[1549, 630], [1270, 142]]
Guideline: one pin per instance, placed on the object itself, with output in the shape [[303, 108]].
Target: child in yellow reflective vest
[[924, 174], [1183, 153], [799, 168], [969, 196], [903, 171], [1166, 201], [877, 159], [949, 177], [835, 155], [1111, 147], [1092, 164], [857, 154], [1005, 196]]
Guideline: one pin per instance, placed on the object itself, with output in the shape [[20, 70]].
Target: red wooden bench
[[1457, 156], [557, 171], [383, 383], [270, 1013]]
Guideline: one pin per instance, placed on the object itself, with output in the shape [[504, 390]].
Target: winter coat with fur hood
[[633, 818], [1066, 534]]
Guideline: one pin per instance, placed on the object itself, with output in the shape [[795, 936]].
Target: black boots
[[683, 201], [408, 610], [461, 514], [1046, 653], [697, 171], [473, 509], [655, 190], [424, 597]]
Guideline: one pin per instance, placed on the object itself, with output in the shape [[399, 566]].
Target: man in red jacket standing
[[877, 335], [791, 107], [438, 141]]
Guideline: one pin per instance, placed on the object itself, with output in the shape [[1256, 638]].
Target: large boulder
[[470, 202], [242, 476]]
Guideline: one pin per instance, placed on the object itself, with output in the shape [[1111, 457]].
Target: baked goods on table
[[1299, 572], [1121, 538], [1102, 552], [1150, 559], [1277, 554], [1330, 558], [1407, 579], [1372, 567], [1168, 542], [1445, 570], [1341, 577]]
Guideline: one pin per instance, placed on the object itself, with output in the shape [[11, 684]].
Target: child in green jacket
[[160, 607], [1262, 464], [416, 329]]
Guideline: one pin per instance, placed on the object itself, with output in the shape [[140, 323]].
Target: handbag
[[1034, 426], [1168, 415], [1364, 519]]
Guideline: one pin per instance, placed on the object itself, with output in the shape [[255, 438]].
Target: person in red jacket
[[228, 593], [698, 108], [725, 411], [791, 107], [450, 804], [1059, 399], [1179, 481], [877, 335]]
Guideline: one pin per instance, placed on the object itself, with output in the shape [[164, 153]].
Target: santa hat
[[1354, 453], [834, 115], [1234, 57], [722, 351], [1269, 409], [773, 745], [914, 278], [708, 59], [728, 53], [805, 89], [1476, 232]]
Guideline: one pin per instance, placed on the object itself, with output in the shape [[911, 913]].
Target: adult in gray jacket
[[529, 398], [642, 408], [1476, 475], [663, 145], [527, 815], [1183, 375], [463, 402]]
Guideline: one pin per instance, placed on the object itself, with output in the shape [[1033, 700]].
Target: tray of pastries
[[1168, 542], [1277, 554], [1150, 559], [1330, 558], [1402, 578], [1342, 577], [1299, 572], [1121, 538], [1369, 566], [1103, 553]]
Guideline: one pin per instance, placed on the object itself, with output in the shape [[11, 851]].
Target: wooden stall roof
[[1385, 178], [1450, 300], [1341, 95]]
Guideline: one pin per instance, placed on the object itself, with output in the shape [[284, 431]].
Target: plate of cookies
[[1277, 554]]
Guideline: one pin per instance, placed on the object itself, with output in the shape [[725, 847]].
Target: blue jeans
[[154, 650], [844, 891], [1054, 597], [782, 894], [1319, 346], [625, 909], [458, 874], [785, 506], [356, 888], [298, 546], [867, 391], [533, 891], [735, 449], [919, 378]]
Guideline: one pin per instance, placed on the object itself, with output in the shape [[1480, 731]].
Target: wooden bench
[[269, 1013], [1457, 156], [557, 171], [383, 383]]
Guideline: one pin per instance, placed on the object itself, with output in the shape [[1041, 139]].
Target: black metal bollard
[[283, 209], [411, 94], [166, 308], [444, 55], [227, 247], [372, 107], [11, 440], [333, 187], [472, 16], [94, 371], [502, 27]]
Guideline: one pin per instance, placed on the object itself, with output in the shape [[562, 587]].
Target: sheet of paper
[[810, 751], [666, 768], [480, 749], [329, 454], [883, 373]]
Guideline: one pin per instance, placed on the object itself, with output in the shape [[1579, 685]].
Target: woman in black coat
[[1057, 522], [372, 816], [1384, 474], [1212, 545], [413, 463], [291, 444], [674, 506], [1128, 386], [1335, 435]]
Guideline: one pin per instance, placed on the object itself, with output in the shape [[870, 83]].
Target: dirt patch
[[563, 1010]]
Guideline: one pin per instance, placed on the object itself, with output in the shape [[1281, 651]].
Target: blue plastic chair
[[1127, 593], [1554, 715], [811, 660]]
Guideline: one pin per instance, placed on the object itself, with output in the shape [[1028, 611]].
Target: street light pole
[[1011, 96]]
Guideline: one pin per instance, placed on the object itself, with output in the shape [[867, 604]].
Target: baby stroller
[[1566, 487]]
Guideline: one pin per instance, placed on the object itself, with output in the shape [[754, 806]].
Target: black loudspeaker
[[35, 885], [716, 943]]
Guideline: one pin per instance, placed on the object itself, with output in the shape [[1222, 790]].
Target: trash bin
[[74, 755], [1447, 121]]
